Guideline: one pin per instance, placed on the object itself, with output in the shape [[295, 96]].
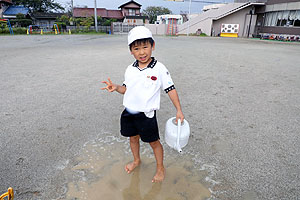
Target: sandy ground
[[241, 98]]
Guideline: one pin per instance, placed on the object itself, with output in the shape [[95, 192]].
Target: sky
[[175, 7]]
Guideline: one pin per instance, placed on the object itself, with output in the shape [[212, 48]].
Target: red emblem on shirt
[[153, 78]]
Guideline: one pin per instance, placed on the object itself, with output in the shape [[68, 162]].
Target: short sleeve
[[167, 82], [125, 77]]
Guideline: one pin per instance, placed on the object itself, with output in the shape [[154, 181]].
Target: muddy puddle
[[99, 174]]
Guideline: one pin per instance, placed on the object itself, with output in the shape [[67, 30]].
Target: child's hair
[[142, 41]]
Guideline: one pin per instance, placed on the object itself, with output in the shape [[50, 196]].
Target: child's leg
[[135, 149], [159, 156]]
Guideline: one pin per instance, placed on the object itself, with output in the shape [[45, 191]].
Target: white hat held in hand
[[138, 32]]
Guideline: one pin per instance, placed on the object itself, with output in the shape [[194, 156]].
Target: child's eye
[[136, 49]]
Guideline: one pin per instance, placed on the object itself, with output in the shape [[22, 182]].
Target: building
[[169, 19], [4, 4], [128, 13], [44, 19], [101, 12], [211, 21], [254, 18], [279, 17], [132, 13], [12, 11]]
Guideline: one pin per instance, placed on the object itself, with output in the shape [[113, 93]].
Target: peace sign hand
[[109, 86]]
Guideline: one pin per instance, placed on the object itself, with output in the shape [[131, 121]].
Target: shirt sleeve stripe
[[172, 87]]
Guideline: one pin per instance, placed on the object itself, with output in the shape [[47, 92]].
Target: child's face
[[142, 52]]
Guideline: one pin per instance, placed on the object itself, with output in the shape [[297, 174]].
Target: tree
[[21, 20], [40, 5], [153, 11], [87, 22]]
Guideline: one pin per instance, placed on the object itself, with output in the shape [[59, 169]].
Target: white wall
[[204, 25], [241, 17], [157, 29]]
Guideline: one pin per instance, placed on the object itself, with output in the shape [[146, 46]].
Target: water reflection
[[101, 174], [133, 191]]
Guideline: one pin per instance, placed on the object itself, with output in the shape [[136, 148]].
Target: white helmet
[[138, 32]]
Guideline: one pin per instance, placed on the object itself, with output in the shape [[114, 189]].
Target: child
[[143, 81]]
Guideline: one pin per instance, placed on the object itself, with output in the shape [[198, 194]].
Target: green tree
[[108, 22], [21, 20], [3, 24], [40, 5], [62, 22], [87, 22], [153, 11]]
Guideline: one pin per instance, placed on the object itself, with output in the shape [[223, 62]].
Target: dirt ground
[[59, 133]]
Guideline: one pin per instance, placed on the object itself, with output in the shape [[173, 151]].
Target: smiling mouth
[[143, 58]]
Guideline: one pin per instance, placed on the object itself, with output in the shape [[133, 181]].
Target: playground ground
[[59, 133]]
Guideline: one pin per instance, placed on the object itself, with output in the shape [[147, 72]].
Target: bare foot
[[159, 176], [131, 166]]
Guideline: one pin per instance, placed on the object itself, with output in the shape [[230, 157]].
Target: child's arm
[[175, 99], [113, 87]]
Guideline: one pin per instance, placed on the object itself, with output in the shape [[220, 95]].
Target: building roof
[[216, 14], [41, 15], [129, 2], [6, 1], [236, 9], [222, 11], [14, 10], [89, 12]]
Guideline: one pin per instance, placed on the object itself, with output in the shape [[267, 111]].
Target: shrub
[[20, 30], [15, 30], [4, 31]]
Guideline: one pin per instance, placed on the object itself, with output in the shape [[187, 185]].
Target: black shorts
[[139, 124]]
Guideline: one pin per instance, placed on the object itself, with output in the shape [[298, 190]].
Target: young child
[[143, 81]]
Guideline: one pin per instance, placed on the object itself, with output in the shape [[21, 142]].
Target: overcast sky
[[175, 7]]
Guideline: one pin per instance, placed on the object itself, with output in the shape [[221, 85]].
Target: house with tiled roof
[[4, 4], [45, 19], [102, 12], [128, 13], [12, 11], [132, 13]]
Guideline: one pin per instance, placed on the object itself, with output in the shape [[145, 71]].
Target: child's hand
[[109, 86], [179, 115]]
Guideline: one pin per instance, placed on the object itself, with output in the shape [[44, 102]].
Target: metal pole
[[250, 22], [96, 21], [189, 18], [72, 7]]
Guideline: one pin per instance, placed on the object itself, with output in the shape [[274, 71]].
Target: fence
[[119, 27], [156, 29], [105, 29]]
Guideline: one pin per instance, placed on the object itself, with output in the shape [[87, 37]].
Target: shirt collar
[[150, 65]]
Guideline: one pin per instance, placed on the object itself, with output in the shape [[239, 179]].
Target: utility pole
[[96, 20], [72, 8], [189, 18]]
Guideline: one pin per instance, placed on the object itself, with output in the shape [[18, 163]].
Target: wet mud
[[99, 173]]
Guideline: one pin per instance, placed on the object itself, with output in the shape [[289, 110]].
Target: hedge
[[15, 30]]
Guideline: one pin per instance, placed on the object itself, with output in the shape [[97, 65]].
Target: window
[[296, 18], [287, 18], [291, 18], [131, 12], [267, 19], [279, 18], [274, 18]]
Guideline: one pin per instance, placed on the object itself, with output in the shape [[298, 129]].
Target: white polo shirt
[[143, 86]]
